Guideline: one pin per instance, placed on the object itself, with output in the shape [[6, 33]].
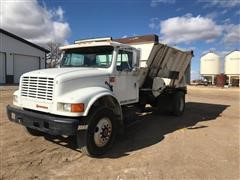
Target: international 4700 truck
[[96, 79]]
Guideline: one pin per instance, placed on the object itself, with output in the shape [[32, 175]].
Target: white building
[[18, 56]]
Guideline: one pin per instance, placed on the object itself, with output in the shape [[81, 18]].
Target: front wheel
[[100, 134]]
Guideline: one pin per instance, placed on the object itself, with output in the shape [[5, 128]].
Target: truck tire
[[33, 132], [178, 105], [100, 133], [163, 104]]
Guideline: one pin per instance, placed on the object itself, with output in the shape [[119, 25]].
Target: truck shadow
[[150, 127]]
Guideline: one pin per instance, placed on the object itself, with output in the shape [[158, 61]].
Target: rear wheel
[[163, 104], [178, 105], [100, 134]]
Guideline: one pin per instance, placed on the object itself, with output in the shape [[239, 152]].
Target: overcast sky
[[201, 25]]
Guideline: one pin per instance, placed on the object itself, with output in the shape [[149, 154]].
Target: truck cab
[[90, 73]]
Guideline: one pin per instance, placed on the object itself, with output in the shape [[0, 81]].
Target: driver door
[[126, 86]]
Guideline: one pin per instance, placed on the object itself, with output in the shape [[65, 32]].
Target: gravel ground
[[202, 144]]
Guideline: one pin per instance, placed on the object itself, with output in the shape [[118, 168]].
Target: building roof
[[209, 52], [23, 40], [232, 52]]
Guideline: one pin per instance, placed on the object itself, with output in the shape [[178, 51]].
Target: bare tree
[[54, 55]]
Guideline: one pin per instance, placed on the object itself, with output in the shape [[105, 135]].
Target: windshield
[[98, 56]]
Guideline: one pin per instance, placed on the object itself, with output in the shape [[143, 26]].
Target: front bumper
[[50, 124]]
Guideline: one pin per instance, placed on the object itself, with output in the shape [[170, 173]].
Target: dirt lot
[[202, 144]]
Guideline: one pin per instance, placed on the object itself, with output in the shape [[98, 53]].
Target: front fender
[[87, 95], [16, 97]]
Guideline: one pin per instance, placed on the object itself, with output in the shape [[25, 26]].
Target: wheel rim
[[103, 132], [181, 104]]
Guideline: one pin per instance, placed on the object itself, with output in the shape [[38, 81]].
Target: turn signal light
[[77, 107]]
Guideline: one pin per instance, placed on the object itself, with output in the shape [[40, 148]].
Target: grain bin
[[210, 66], [232, 67]]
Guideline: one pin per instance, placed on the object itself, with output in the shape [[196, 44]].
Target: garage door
[[23, 64], [2, 67]]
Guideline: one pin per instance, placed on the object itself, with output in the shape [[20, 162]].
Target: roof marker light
[[93, 40]]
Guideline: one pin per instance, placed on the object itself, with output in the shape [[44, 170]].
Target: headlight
[[67, 107], [79, 107]]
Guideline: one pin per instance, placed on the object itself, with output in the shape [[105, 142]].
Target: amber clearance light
[[77, 107]]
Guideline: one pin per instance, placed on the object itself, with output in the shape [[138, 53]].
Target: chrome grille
[[37, 87]]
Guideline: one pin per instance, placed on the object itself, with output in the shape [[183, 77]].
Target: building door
[[23, 64]]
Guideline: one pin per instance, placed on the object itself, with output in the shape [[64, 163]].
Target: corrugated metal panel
[[183, 67]]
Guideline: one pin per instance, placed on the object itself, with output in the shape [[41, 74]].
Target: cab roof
[[93, 42]]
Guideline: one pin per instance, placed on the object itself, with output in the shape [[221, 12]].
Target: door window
[[124, 60]]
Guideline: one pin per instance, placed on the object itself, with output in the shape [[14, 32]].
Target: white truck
[[97, 78]]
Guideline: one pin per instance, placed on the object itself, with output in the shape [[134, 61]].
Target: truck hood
[[65, 74]]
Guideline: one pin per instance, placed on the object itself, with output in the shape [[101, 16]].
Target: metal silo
[[232, 67], [210, 66]]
